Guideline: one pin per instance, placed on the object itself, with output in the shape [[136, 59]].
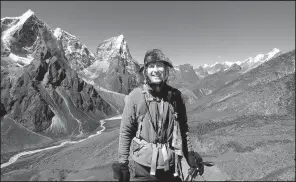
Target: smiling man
[[154, 125]]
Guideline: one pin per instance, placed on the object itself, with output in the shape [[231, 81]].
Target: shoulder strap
[[144, 108], [172, 100]]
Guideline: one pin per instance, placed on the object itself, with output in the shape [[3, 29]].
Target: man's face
[[156, 72]]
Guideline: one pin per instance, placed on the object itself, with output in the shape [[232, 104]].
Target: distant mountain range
[[268, 89], [53, 86], [246, 65]]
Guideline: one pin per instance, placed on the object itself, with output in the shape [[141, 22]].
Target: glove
[[121, 171], [195, 161]]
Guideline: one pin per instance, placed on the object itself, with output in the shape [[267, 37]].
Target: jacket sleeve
[[186, 141], [127, 129]]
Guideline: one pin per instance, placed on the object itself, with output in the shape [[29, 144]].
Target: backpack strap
[[144, 108]]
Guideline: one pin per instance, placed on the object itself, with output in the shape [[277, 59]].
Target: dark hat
[[155, 55]]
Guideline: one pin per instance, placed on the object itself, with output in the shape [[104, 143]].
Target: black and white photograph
[[147, 91]]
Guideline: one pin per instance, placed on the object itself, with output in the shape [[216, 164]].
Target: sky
[[194, 32]]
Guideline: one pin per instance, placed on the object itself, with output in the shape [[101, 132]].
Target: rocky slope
[[200, 72], [39, 90], [183, 75], [212, 82], [114, 68]]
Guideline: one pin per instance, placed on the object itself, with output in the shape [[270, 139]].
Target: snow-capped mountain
[[40, 91], [268, 89], [18, 37], [114, 68], [251, 63], [246, 65], [76, 52], [216, 68]]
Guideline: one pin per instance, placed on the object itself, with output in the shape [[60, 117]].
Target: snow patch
[[23, 60], [58, 33], [205, 65], [258, 58], [214, 64], [272, 53], [227, 63], [118, 41]]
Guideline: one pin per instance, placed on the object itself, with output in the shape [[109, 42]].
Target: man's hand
[[195, 161], [121, 171]]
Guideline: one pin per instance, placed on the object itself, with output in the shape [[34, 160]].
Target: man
[[154, 124]]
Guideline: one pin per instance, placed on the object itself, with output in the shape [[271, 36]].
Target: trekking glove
[[195, 161], [121, 171]]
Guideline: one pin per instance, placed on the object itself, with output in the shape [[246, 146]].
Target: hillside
[[266, 82]]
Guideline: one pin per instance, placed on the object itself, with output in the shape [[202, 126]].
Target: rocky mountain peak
[[113, 47], [39, 90], [114, 68], [77, 53], [234, 68], [26, 37]]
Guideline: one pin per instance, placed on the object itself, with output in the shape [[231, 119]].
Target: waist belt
[[156, 147], [155, 151]]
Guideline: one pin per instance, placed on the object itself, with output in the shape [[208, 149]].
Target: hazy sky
[[195, 32]]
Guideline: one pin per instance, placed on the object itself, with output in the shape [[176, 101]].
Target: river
[[14, 158]]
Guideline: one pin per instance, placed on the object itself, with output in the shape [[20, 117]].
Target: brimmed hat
[[155, 55]]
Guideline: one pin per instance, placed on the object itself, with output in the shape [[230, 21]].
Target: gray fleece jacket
[[131, 118]]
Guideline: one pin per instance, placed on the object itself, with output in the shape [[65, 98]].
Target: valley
[[61, 106], [243, 148]]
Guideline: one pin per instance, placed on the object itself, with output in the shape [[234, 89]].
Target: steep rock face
[[201, 72], [182, 75], [187, 73], [114, 68], [18, 35], [39, 90], [76, 53], [234, 68]]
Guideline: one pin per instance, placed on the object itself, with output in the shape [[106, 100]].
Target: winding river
[[14, 158]]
